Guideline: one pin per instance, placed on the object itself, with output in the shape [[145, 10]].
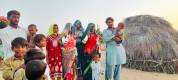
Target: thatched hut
[[176, 37], [150, 44]]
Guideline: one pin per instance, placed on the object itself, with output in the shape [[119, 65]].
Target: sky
[[43, 13]]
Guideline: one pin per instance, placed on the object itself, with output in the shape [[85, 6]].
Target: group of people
[[73, 54]]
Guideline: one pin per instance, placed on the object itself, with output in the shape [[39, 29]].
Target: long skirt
[[68, 63], [86, 63], [80, 50]]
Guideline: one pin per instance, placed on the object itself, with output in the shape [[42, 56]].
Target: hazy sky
[[45, 12]]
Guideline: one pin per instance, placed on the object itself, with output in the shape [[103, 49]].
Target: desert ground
[[131, 74]]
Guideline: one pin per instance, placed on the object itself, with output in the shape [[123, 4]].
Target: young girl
[[54, 52], [40, 44], [69, 52]]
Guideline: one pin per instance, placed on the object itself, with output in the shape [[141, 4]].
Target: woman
[[54, 56], [69, 52], [90, 43], [77, 31]]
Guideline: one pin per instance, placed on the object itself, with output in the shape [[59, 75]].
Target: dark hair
[[109, 18], [38, 38], [19, 41], [13, 12], [121, 24], [55, 25], [33, 54], [31, 25], [96, 54], [35, 69]]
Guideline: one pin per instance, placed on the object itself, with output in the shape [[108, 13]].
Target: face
[[20, 51], [43, 77], [96, 58], [43, 42], [14, 19], [92, 29], [120, 26], [55, 29], [110, 23], [78, 26], [32, 30]]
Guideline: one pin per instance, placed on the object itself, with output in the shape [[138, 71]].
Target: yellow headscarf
[[50, 30]]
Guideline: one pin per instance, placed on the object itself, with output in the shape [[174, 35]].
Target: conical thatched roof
[[150, 44], [176, 37]]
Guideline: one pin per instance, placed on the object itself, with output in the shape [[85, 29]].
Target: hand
[[88, 32], [117, 39], [117, 35], [22, 66]]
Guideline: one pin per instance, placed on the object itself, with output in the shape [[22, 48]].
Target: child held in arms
[[120, 32]]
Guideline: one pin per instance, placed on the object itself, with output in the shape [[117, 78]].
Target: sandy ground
[[130, 74]]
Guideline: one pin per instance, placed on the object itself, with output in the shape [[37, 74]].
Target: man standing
[[114, 51], [11, 32]]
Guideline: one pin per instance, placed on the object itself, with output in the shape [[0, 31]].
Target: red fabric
[[71, 43], [54, 56], [70, 73], [90, 44]]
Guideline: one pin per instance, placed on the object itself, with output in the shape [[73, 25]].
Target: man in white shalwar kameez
[[11, 32]]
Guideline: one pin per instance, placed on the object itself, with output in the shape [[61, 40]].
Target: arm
[[85, 39], [63, 41], [19, 75], [7, 70], [107, 37], [47, 49]]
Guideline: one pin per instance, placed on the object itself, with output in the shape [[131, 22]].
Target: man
[[11, 32], [114, 51]]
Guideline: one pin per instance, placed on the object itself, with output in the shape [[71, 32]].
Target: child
[[54, 52], [19, 46], [32, 30], [120, 32], [35, 70], [96, 67], [40, 44], [32, 54]]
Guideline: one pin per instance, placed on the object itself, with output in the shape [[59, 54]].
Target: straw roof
[[150, 44]]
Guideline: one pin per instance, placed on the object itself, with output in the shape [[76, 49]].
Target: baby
[[120, 32]]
